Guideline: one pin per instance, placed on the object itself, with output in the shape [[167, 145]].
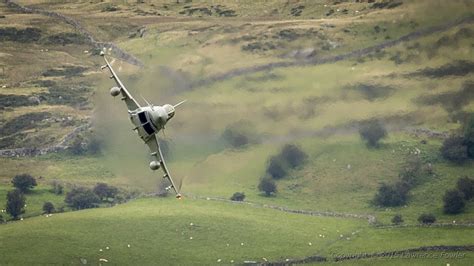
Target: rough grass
[[163, 228]]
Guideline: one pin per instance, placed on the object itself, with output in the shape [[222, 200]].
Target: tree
[[426, 218], [24, 182], [469, 135], [267, 185], [82, 198], [293, 155], [48, 207], [466, 186], [238, 196], [454, 149], [397, 219], [372, 132], [15, 203], [57, 188], [104, 191], [276, 167], [391, 195], [411, 171], [453, 202]]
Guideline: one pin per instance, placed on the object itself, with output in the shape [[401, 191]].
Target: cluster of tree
[[372, 132], [290, 157], [77, 198], [83, 198], [16, 199], [389, 195], [240, 134], [455, 199], [459, 148]]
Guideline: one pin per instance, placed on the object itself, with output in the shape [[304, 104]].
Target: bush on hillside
[[238, 196], [104, 191], [372, 132], [57, 188], [391, 195], [293, 155], [454, 202], [426, 218], [469, 135], [411, 171], [15, 203], [48, 207], [82, 198], [276, 168], [397, 219], [454, 149], [466, 186], [24, 182], [268, 186]]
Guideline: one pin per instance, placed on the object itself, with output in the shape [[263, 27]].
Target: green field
[[209, 53]]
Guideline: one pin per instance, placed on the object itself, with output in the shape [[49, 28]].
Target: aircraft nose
[[159, 117]]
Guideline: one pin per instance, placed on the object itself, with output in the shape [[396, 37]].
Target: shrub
[[238, 196], [453, 202], [411, 171], [82, 198], [426, 218], [15, 203], [466, 186], [276, 167], [2, 220], [24, 182], [104, 191], [240, 134], [293, 155], [48, 207], [454, 149], [372, 132], [267, 185], [391, 195], [397, 219], [469, 135], [57, 188]]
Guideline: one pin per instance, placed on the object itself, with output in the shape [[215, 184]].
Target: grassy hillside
[[199, 232], [302, 72]]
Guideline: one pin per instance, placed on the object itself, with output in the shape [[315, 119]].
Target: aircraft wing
[[155, 152], [126, 96]]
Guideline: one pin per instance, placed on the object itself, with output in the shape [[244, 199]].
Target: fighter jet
[[148, 121]]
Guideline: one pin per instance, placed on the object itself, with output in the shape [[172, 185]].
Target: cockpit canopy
[[169, 110]]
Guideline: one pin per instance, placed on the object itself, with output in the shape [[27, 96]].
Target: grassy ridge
[[160, 231]]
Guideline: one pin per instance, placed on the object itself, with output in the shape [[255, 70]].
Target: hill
[[308, 73]]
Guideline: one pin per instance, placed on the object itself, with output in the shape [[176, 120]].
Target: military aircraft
[[148, 121]]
